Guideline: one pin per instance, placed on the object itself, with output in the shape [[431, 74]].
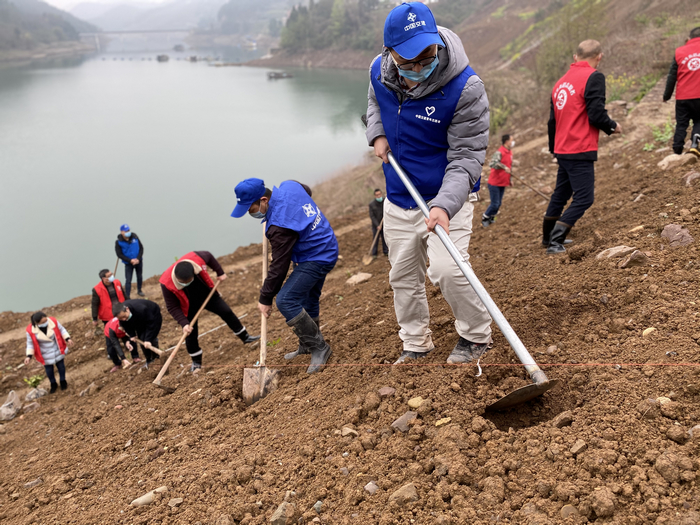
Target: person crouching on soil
[[499, 178], [185, 286], [298, 233], [141, 318], [114, 334], [47, 342]]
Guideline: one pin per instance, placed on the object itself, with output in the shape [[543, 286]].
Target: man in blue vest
[[299, 234], [429, 108], [130, 250]]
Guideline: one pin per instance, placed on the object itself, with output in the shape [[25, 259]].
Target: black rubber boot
[[556, 242], [247, 338], [310, 337], [64, 385], [196, 363], [302, 350], [54, 387], [547, 227], [695, 145]]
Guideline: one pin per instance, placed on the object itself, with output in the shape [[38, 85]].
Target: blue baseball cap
[[410, 28], [124, 228], [247, 192]]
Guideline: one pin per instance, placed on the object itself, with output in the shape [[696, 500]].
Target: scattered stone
[[401, 423], [604, 299], [564, 419], [676, 235], [344, 471], [359, 278], [568, 511], [443, 421], [551, 350], [30, 407], [175, 502], [371, 487], [284, 515], [479, 424], [371, 402], [2, 429], [455, 387], [35, 393], [148, 497], [648, 331], [152, 444], [663, 400], [317, 507], [405, 494], [694, 432], [386, 391], [224, 519], [672, 161], [415, 402], [347, 431], [128, 444], [616, 251], [32, 484], [118, 407], [665, 465], [603, 502], [91, 389], [636, 258], [287, 399], [678, 434], [689, 177], [579, 447], [639, 197]]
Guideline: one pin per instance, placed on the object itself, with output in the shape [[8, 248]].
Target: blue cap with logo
[[410, 28], [124, 228], [247, 192]]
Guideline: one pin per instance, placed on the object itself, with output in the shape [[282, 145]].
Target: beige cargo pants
[[410, 248]]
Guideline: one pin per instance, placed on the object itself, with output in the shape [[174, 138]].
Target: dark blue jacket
[[128, 249]]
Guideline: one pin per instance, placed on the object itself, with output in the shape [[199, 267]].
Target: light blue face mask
[[43, 325], [127, 234], [129, 318], [184, 285], [258, 215], [379, 199], [422, 75], [110, 278]]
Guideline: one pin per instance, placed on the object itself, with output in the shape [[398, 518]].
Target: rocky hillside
[[615, 320]]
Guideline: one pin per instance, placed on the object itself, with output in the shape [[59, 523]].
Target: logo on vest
[[318, 219], [412, 18], [309, 210], [694, 64], [429, 111], [562, 94]]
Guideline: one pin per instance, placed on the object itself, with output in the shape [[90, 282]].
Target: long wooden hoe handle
[[376, 236], [116, 267], [153, 348], [263, 319], [184, 336]]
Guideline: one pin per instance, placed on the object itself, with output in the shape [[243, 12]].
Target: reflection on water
[[92, 144]]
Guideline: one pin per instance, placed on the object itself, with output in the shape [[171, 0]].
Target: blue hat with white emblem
[[247, 192], [124, 228], [410, 28]]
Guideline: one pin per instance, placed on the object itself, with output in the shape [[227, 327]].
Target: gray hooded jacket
[[468, 133]]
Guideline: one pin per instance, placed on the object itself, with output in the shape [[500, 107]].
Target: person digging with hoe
[[185, 286], [499, 178], [114, 337], [376, 215], [577, 114], [299, 234], [141, 319], [429, 108], [105, 295]]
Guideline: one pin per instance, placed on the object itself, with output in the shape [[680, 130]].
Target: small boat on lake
[[274, 75], [162, 58]]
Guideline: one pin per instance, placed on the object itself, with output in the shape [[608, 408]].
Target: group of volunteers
[[429, 108]]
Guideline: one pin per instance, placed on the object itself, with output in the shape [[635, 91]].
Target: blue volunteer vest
[[130, 249], [292, 208], [417, 133]]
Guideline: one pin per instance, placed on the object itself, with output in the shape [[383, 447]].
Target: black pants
[[128, 273], [116, 354], [218, 306], [577, 178], [61, 366], [686, 110], [385, 248]]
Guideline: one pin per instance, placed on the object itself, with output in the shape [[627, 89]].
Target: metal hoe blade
[[522, 395]]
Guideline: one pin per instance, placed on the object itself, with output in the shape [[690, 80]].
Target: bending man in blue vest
[[429, 108], [130, 250], [298, 233]]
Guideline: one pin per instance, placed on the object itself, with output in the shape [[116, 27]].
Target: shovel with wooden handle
[[152, 348], [116, 267], [368, 258], [540, 382], [160, 375], [260, 381]]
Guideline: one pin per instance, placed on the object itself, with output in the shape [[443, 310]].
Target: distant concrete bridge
[[94, 38]]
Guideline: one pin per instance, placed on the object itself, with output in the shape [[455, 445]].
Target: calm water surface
[[89, 145]]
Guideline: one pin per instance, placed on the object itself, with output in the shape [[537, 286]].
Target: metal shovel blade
[[259, 382], [367, 260], [167, 389], [523, 395]]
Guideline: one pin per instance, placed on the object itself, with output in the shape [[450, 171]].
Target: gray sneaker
[[466, 352], [195, 367], [406, 354]]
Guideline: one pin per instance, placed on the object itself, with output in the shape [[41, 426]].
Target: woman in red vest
[[501, 164], [47, 342]]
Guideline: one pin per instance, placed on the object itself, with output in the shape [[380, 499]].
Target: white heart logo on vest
[[430, 110]]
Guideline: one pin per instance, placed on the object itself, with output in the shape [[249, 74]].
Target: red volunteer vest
[[501, 177], [113, 324], [167, 279], [574, 133], [104, 313], [59, 339], [688, 79]]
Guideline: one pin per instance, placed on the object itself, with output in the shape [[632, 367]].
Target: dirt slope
[[613, 458]]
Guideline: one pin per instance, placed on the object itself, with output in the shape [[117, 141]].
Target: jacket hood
[[453, 60]]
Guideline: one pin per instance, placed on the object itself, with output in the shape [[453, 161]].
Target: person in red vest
[[684, 76], [501, 164], [115, 335], [105, 295], [47, 342], [186, 285], [577, 115]]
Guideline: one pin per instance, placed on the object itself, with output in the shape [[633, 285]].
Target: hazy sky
[[67, 5]]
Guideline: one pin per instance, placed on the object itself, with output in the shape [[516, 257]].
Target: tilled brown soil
[[592, 449]]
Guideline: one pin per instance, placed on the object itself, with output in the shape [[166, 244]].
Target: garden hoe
[[163, 370], [152, 349], [260, 381], [367, 259], [522, 179]]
